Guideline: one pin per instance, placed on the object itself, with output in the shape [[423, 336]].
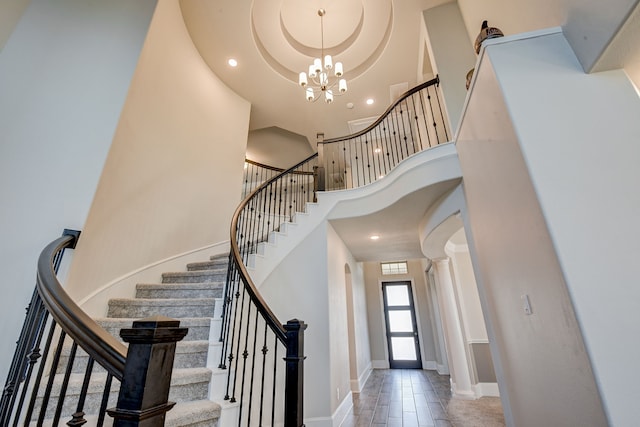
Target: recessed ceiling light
[[232, 62], [369, 101], [349, 105], [374, 237]]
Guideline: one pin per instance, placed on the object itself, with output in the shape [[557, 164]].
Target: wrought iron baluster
[[105, 400], [77, 419], [54, 365]]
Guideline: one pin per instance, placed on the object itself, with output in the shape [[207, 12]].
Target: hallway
[[406, 398]]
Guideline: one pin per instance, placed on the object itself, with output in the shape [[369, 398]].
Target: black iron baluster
[[245, 354], [77, 419], [54, 365], [235, 370], [232, 341], [36, 386], [446, 136], [105, 400], [275, 368], [424, 115], [417, 122], [265, 350], [253, 366], [65, 383]]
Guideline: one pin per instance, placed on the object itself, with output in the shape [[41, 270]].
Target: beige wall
[[63, 82], [173, 175]]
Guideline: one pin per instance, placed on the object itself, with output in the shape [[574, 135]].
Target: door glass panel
[[397, 295], [403, 348], [400, 321]]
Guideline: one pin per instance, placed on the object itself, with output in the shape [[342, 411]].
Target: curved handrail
[[379, 120], [96, 341], [409, 125], [261, 305]]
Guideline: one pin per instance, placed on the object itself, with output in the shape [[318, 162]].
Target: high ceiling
[[378, 41]]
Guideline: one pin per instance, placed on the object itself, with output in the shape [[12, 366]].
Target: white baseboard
[[380, 364], [358, 385], [486, 389], [429, 365], [336, 419], [442, 369], [462, 394]]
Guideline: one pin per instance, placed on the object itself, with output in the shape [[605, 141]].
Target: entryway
[[402, 330]]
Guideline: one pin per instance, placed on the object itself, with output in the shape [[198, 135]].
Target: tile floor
[[408, 398]]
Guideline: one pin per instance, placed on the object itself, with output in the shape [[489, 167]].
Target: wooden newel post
[[144, 391], [294, 376]]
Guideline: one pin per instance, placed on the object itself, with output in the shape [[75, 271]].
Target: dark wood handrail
[[97, 342], [386, 112], [251, 288]]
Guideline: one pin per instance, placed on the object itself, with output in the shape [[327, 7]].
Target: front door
[[402, 331]]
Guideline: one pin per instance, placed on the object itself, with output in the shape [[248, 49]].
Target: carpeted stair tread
[[179, 290], [170, 307], [195, 276]]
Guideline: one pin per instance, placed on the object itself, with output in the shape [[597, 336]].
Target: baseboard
[[380, 364], [442, 369], [358, 385], [462, 394], [336, 419], [429, 365], [486, 389]]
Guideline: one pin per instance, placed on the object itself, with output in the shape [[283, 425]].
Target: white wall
[[297, 288], [452, 55], [585, 173], [338, 256], [64, 76], [277, 147], [543, 367], [10, 14], [588, 24], [174, 173]]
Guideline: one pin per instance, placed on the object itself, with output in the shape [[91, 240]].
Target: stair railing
[[37, 388], [256, 174], [414, 122], [252, 336]]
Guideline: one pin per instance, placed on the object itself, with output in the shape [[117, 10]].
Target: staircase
[[194, 297]]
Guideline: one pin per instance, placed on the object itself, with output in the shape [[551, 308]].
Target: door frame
[[401, 364]]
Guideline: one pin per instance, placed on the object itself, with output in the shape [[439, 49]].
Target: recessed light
[[349, 105], [232, 62], [374, 237], [370, 101]]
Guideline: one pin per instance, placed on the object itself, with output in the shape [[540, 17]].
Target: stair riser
[[167, 310], [178, 293], [177, 393]]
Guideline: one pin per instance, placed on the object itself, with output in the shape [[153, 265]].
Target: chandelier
[[319, 80]]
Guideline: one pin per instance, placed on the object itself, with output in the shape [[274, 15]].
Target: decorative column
[[454, 338]]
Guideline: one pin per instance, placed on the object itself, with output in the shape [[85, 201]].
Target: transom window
[[399, 267]]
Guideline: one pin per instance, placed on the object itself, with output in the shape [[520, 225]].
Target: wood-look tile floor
[[416, 398]]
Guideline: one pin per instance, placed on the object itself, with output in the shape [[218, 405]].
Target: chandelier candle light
[[319, 81]]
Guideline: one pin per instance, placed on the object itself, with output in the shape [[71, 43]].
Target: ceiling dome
[[287, 33]]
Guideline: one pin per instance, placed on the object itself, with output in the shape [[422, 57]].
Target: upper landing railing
[[253, 340]]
